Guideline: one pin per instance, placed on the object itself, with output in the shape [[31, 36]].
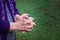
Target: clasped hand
[[24, 22]]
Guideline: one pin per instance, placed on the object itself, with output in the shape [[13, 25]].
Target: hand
[[24, 22], [19, 22], [29, 24]]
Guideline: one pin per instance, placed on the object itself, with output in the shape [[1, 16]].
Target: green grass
[[47, 18]]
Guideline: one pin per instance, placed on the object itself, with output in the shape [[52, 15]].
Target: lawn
[[47, 19]]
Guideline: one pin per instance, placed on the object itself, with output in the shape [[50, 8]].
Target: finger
[[28, 21], [29, 26], [25, 16], [33, 23], [31, 18], [28, 30]]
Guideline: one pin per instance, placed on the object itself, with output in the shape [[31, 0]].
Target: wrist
[[13, 26]]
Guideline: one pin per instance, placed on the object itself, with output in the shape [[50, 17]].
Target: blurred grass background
[[47, 18]]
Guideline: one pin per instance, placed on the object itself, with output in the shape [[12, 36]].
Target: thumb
[[17, 17]]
